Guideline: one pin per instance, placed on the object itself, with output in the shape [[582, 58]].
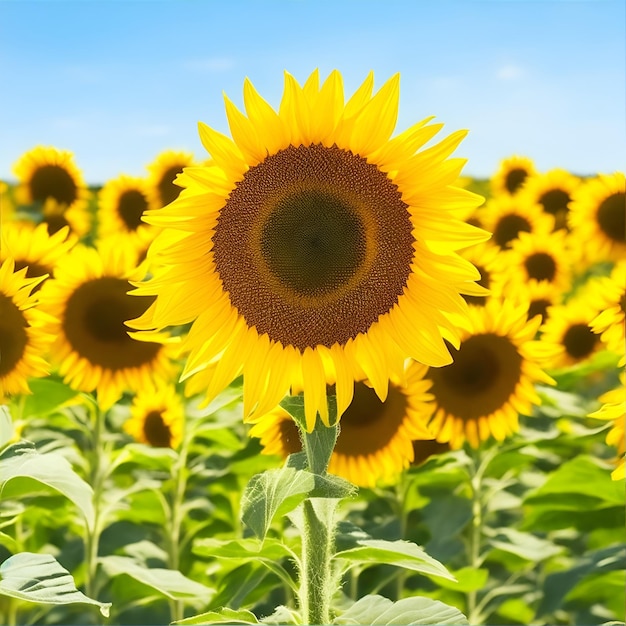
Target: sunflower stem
[[318, 536]]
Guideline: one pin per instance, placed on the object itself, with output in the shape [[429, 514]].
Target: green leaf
[[221, 616], [379, 610], [244, 549], [467, 579], [558, 584], [525, 545], [399, 553], [41, 578], [6, 425], [21, 460], [273, 493], [170, 583], [47, 395]]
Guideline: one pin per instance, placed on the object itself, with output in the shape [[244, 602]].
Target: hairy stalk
[[318, 541]]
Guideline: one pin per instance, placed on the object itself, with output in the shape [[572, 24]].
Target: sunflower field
[[316, 376]]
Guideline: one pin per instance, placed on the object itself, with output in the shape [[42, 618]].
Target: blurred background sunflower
[[162, 173], [511, 174]]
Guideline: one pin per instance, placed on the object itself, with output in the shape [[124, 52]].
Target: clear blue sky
[[116, 82]]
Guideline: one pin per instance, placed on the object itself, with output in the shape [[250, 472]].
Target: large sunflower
[[553, 190], [313, 242], [50, 180], [491, 379], [163, 172], [598, 217], [375, 440], [23, 341], [33, 247], [157, 417], [121, 203], [88, 299], [511, 175]]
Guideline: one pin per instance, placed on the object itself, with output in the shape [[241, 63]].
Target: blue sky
[[117, 82]]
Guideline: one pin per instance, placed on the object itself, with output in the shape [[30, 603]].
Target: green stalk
[[318, 540]]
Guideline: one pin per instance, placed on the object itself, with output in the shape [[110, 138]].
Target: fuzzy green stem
[[318, 540]]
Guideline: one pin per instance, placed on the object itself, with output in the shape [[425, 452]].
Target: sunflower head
[[511, 175], [163, 172], [491, 378], [89, 304], [314, 244], [23, 340], [157, 417]]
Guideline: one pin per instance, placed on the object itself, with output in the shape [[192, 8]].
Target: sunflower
[[614, 409], [508, 216], [47, 174], [375, 441], [23, 340], [511, 175], [313, 242], [89, 302], [486, 259], [33, 247], [598, 217], [537, 297], [553, 190], [608, 295], [157, 417], [163, 172], [540, 257], [491, 379], [567, 328], [121, 203]]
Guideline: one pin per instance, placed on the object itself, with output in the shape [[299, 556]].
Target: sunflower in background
[[313, 243], [511, 175], [89, 304], [23, 339], [50, 183], [163, 172], [32, 247], [157, 417], [539, 257], [614, 409], [486, 258], [491, 378], [538, 297], [608, 295], [567, 328], [121, 203], [375, 442], [598, 217], [508, 216], [553, 191]]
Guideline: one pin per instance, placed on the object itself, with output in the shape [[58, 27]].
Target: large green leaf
[[169, 583], [41, 578], [47, 395], [22, 461], [273, 493], [399, 553], [379, 610], [525, 545]]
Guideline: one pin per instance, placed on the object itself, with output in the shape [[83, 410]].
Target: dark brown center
[[13, 335], [555, 201], [168, 191], [540, 266], [508, 228], [480, 380], [579, 341], [612, 217], [131, 205], [313, 245], [514, 179], [53, 181], [538, 307], [94, 324], [156, 431]]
